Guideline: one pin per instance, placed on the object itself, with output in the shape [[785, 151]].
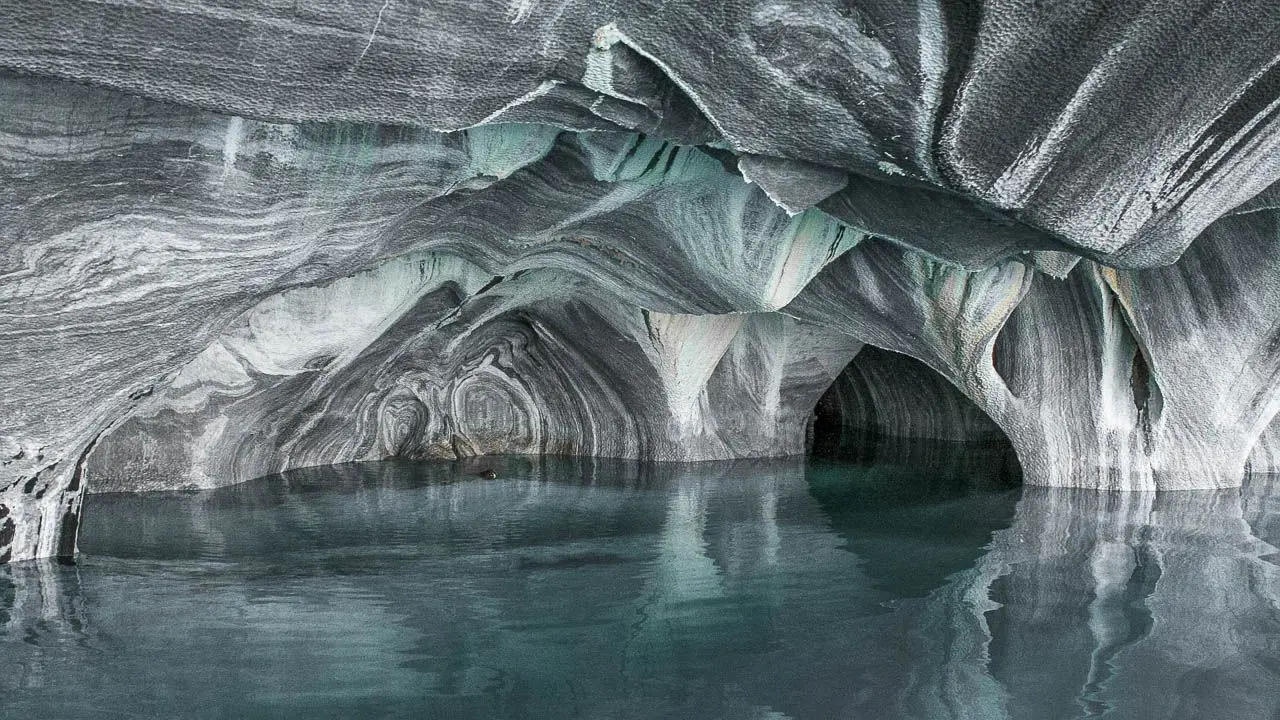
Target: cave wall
[[502, 368], [240, 238]]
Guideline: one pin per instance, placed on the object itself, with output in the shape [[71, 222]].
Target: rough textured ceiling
[[243, 236], [1121, 129]]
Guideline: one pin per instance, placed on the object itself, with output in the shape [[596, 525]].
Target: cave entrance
[[889, 409]]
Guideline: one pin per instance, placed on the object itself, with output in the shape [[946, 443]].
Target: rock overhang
[[699, 211]]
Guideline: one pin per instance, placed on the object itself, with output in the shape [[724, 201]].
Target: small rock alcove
[[888, 408]]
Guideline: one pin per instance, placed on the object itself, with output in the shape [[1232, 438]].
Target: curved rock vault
[[239, 238]]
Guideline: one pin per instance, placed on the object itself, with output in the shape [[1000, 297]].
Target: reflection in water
[[588, 588], [1146, 605]]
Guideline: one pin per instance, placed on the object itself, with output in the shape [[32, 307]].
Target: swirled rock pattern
[[241, 237], [466, 369]]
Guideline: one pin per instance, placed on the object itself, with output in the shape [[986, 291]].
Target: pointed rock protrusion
[[793, 185], [685, 350]]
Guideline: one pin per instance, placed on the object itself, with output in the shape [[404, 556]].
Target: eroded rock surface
[[239, 238]]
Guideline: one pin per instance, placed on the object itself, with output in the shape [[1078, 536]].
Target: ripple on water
[[572, 589]]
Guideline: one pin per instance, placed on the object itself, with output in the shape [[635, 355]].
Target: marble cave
[[241, 238]]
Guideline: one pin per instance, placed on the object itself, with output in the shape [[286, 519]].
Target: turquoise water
[[605, 589]]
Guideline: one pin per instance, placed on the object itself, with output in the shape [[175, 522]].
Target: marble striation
[[242, 238]]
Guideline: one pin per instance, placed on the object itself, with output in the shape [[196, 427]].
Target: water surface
[[606, 589]]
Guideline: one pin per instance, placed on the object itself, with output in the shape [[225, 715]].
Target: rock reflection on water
[[588, 588], [1138, 605]]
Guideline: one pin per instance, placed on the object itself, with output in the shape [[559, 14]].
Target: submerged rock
[[237, 240]]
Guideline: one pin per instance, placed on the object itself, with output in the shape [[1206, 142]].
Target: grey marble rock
[[242, 237], [1109, 379], [468, 369], [1122, 130]]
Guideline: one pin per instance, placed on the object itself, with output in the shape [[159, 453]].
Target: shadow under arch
[[889, 408], [904, 464]]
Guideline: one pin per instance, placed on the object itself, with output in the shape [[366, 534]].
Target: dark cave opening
[[889, 409]]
